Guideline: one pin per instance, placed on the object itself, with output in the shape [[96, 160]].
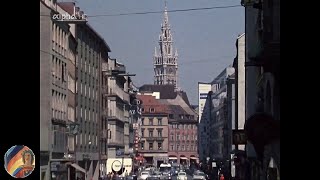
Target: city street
[[175, 177]]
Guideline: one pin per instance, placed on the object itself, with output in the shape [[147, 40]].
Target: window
[[171, 116], [150, 122], [187, 137], [178, 147], [142, 109], [159, 146], [187, 147], [142, 145], [151, 109], [142, 132], [178, 137], [159, 121], [182, 147], [172, 147], [195, 137], [142, 121], [150, 133], [191, 148], [171, 137], [150, 146], [159, 133]]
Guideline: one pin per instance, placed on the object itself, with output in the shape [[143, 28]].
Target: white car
[[144, 175], [198, 175], [182, 176]]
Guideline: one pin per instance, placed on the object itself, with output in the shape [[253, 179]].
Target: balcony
[[155, 138], [116, 91], [118, 114]]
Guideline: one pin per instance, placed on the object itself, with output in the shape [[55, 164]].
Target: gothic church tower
[[165, 58]]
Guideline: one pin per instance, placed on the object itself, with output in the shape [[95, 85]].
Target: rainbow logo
[[19, 161]]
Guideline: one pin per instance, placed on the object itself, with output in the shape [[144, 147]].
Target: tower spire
[[165, 60], [166, 18]]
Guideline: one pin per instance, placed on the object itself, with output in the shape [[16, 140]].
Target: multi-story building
[[181, 114], [165, 59], [183, 136], [263, 87], [57, 93], [92, 51], [204, 102], [219, 122], [154, 130], [118, 110]]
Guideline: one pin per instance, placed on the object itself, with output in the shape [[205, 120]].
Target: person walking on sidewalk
[[221, 177]]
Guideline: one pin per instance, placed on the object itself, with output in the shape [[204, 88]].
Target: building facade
[[204, 102], [118, 114], [154, 131], [183, 136], [165, 59], [263, 87], [57, 93]]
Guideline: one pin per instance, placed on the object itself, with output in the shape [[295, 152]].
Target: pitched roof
[[167, 91]]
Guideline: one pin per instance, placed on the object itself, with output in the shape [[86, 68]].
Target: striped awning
[[183, 158], [173, 158]]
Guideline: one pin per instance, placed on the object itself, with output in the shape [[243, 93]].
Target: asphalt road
[[175, 177]]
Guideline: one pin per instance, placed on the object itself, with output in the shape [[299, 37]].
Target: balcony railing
[[117, 91], [154, 138]]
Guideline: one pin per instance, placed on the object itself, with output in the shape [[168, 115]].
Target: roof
[[149, 101], [166, 91], [69, 8]]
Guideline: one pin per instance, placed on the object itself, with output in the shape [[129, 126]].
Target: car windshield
[[144, 173], [199, 174], [182, 174]]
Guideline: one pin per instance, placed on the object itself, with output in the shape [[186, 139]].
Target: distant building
[[204, 106], [154, 131]]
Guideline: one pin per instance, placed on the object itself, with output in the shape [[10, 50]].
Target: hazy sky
[[205, 39]]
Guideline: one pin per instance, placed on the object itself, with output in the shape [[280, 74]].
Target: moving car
[[155, 175], [144, 175], [198, 175], [182, 176]]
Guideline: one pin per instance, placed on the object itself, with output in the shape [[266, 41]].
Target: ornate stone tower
[[165, 58]]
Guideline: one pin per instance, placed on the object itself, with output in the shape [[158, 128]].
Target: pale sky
[[205, 39]]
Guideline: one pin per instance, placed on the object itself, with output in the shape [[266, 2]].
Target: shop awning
[[173, 158], [76, 166], [194, 158], [183, 158]]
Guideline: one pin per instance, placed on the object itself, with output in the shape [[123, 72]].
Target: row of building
[[169, 126], [85, 98], [222, 109], [239, 111], [90, 109]]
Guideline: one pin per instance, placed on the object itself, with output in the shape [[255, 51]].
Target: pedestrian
[[221, 177]]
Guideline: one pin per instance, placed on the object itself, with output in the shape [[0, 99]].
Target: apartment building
[[118, 114], [183, 135], [57, 93], [154, 131]]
